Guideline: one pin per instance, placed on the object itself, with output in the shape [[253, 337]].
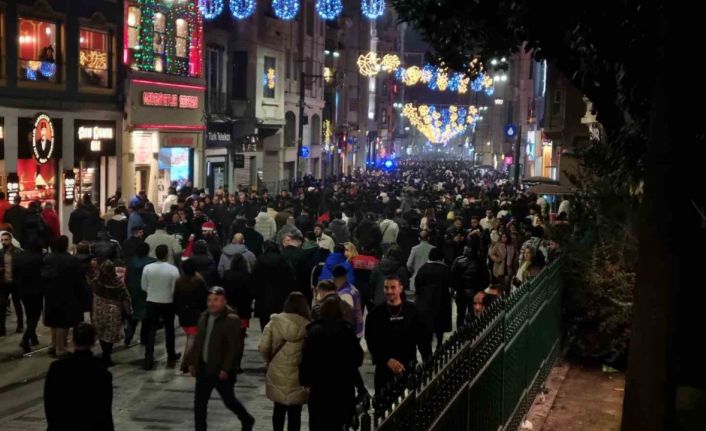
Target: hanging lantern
[[285, 9], [210, 9], [329, 9], [241, 9]]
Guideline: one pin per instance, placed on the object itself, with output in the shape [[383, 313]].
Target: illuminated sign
[[69, 187], [13, 186], [170, 100], [94, 137], [42, 138]]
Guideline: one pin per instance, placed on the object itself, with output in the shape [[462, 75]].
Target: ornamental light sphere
[[242, 9], [372, 9], [329, 9], [210, 9], [442, 81], [368, 64], [390, 62], [285, 9], [412, 75]]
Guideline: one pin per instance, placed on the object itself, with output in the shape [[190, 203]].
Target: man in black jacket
[[394, 331], [89, 408], [433, 296], [9, 282], [468, 276], [15, 216]]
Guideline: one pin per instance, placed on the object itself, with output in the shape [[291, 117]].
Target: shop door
[[216, 177], [142, 175]]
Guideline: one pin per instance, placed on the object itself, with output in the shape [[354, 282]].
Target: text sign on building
[[170, 100], [219, 134], [94, 137]]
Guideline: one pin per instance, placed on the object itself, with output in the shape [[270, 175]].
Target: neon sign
[[169, 100]]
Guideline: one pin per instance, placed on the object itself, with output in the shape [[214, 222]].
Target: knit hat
[[209, 226]]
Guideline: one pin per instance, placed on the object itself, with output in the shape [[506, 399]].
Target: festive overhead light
[[442, 81], [428, 73], [210, 9], [390, 62], [329, 9], [328, 75], [372, 9], [412, 75], [439, 125], [368, 64], [285, 9], [241, 9], [399, 73], [270, 78]]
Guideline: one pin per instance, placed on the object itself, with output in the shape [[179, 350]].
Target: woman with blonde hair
[[351, 250], [281, 347]]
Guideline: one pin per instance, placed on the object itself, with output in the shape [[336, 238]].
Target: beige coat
[[282, 380]]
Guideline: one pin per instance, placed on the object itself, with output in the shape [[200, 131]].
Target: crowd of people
[[379, 256]]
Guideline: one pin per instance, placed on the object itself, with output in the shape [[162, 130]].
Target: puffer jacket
[[266, 226], [286, 332]]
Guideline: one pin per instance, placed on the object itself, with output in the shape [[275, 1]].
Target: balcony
[[217, 103]]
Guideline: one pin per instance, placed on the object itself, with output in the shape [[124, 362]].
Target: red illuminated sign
[[169, 100]]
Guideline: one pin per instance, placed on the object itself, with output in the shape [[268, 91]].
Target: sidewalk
[[578, 398]]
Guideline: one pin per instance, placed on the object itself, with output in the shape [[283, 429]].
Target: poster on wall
[[43, 139], [38, 152]]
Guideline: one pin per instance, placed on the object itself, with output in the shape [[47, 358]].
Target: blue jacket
[[332, 261]]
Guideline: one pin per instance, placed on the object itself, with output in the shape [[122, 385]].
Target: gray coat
[[418, 257]]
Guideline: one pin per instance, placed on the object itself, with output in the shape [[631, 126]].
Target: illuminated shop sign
[[69, 187], [169, 100], [94, 137]]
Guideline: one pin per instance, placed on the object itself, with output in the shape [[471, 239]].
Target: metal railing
[[486, 375]]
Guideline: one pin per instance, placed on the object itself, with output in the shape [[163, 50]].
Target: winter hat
[[209, 226]]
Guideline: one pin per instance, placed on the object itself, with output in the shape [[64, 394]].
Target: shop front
[[165, 138], [95, 161], [219, 137]]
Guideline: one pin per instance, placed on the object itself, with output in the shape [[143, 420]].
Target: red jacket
[[4, 205], [364, 262], [52, 220]]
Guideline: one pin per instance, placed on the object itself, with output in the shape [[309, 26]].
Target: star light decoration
[[439, 125]]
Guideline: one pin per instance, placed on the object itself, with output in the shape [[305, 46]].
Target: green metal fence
[[486, 376]]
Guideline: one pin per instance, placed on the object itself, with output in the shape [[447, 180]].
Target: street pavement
[[161, 399]]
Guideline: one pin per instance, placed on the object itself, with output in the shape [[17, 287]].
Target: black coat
[[368, 234], [297, 260], [106, 249], [85, 223], [117, 229], [130, 247], [469, 273], [190, 295], [238, 292], [305, 223], [433, 295], [64, 291], [34, 228], [272, 281], [330, 359], [206, 266], [396, 339], [15, 216], [29, 273], [90, 386]]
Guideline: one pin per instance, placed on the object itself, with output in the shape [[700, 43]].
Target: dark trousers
[[6, 291], [464, 306], [323, 416], [132, 327], [205, 384], [383, 376], [293, 414], [33, 307], [107, 349], [155, 312]]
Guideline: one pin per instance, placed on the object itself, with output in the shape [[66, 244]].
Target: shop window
[[159, 40], [133, 27], [37, 50], [94, 58], [269, 78], [182, 38]]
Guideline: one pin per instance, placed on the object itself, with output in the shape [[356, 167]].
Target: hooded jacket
[[231, 250], [333, 260], [265, 225], [281, 347]]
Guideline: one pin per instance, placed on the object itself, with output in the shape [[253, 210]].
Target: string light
[[372, 9], [399, 73], [442, 81], [368, 64], [329, 9], [47, 69], [412, 75], [270, 78], [242, 9], [439, 125], [390, 62], [285, 9], [210, 9], [427, 73]]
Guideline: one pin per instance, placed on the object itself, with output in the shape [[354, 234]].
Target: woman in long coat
[[111, 302]]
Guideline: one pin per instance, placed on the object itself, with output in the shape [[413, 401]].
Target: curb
[[544, 401]]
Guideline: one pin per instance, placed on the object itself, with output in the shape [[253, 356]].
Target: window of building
[[182, 38], [269, 80], [310, 19], [133, 27], [159, 40], [37, 50], [290, 129], [94, 58], [239, 75], [213, 78]]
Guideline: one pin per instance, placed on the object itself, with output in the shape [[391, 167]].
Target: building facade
[[60, 101]]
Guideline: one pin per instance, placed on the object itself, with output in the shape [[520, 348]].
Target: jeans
[[156, 311], [205, 383], [293, 414], [33, 307]]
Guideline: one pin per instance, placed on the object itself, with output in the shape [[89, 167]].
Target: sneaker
[[25, 346]]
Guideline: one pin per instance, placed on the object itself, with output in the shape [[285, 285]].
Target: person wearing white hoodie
[[265, 225]]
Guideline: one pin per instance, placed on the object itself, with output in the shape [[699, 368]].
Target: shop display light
[[242, 9], [329, 9], [372, 9], [210, 9], [285, 9]]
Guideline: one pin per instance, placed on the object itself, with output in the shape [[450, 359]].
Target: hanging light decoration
[[372, 9], [210, 9], [442, 81], [399, 73], [390, 62], [47, 69], [285, 9], [368, 64], [329, 9], [439, 125], [455, 81], [490, 91], [477, 84], [412, 75], [242, 9], [427, 73]]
